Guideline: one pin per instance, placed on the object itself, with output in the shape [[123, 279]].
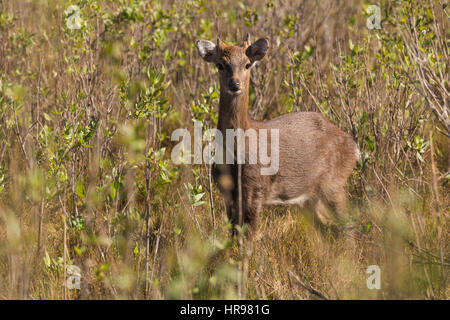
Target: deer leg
[[250, 214], [250, 218], [338, 204], [252, 208], [334, 196], [222, 175], [323, 219], [232, 217]]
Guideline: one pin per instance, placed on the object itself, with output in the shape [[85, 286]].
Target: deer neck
[[233, 111]]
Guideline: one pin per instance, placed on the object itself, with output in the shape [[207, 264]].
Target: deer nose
[[234, 85]]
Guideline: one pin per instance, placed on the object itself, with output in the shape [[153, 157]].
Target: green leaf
[[112, 191], [47, 260], [80, 190]]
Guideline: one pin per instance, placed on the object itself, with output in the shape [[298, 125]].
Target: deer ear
[[246, 41], [257, 50], [207, 50]]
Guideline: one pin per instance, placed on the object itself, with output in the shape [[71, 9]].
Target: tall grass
[[85, 173]]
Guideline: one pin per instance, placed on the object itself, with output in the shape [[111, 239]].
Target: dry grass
[[86, 114]]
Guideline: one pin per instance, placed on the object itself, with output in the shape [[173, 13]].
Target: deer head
[[233, 62]]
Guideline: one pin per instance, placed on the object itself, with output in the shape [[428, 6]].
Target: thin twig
[[239, 234], [307, 287], [19, 137], [436, 205], [211, 202]]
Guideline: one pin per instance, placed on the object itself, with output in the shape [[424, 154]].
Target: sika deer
[[315, 156]]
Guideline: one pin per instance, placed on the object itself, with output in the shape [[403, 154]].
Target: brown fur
[[316, 157]]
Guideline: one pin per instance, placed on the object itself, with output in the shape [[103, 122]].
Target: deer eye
[[248, 65], [219, 66]]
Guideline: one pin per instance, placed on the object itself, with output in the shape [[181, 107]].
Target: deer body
[[315, 156]]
